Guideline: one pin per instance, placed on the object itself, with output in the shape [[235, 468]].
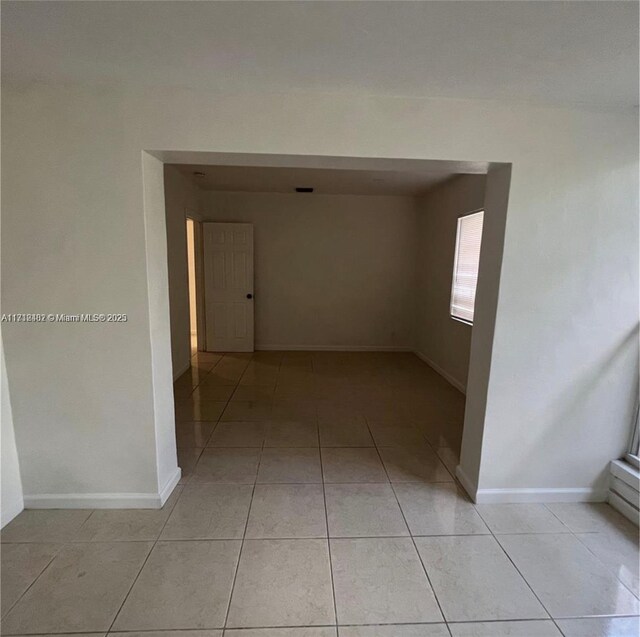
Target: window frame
[[455, 266], [633, 455]]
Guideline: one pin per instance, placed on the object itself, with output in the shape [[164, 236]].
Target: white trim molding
[[332, 348], [460, 386], [170, 485], [92, 501], [512, 496], [102, 500]]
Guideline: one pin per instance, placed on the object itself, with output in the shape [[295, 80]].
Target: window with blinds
[[465, 266]]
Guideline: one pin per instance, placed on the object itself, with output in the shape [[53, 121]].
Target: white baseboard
[[448, 377], [103, 500], [182, 370], [467, 484], [92, 501], [170, 485], [332, 348], [513, 496], [10, 510]]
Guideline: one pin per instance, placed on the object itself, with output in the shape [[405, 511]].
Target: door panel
[[228, 274]]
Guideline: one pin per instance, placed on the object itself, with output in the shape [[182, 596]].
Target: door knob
[[249, 296]]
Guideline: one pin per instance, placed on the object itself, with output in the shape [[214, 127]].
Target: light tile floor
[[318, 500]]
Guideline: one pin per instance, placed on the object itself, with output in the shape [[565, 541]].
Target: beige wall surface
[[330, 270], [564, 359], [442, 340], [181, 195]]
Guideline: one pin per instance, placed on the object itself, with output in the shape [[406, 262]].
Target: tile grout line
[[194, 387], [36, 578], [217, 422], [524, 579], [262, 448], [490, 532], [244, 536], [586, 546], [423, 436], [568, 532], [247, 628], [146, 559], [204, 375], [415, 547], [326, 518], [435, 451], [65, 543], [109, 630], [310, 537], [608, 568], [154, 544]]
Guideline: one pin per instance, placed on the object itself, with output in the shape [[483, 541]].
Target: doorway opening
[[355, 340]]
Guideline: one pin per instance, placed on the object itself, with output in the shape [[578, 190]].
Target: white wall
[[330, 270], [12, 501], [496, 201], [563, 372], [181, 195], [564, 366], [167, 473], [443, 341]]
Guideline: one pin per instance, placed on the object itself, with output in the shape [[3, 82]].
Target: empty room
[[355, 282], [320, 319]]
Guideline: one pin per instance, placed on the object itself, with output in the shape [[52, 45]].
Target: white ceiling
[[323, 180], [551, 52]]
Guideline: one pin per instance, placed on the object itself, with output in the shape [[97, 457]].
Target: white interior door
[[228, 282]]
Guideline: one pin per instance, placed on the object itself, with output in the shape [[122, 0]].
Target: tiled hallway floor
[[317, 500]]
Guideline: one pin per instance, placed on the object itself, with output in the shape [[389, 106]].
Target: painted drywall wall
[[443, 341], [12, 501], [164, 435], [90, 427], [565, 350], [181, 195], [496, 201], [331, 271], [563, 367]]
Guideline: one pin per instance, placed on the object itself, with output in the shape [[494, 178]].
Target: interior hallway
[[276, 448]]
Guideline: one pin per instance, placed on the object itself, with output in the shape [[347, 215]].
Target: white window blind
[[465, 266]]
